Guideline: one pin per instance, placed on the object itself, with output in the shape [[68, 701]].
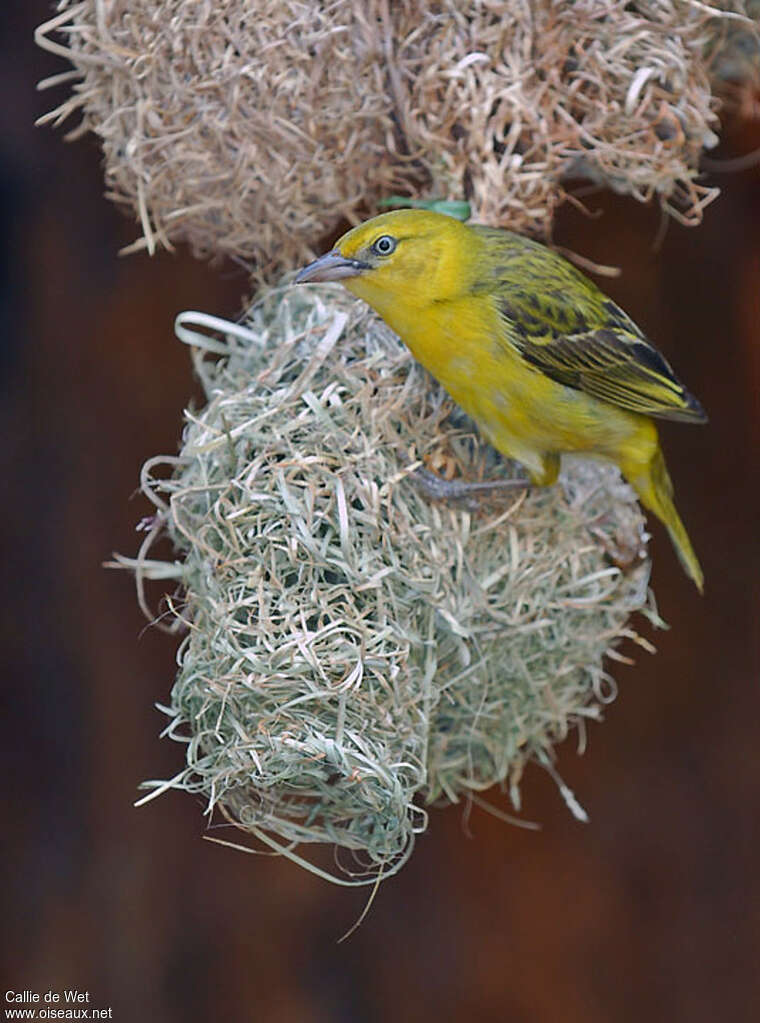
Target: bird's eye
[[384, 245]]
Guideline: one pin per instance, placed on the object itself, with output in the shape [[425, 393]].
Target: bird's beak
[[330, 267]]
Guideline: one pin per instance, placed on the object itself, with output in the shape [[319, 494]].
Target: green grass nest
[[354, 651]]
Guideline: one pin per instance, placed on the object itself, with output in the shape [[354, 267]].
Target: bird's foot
[[625, 551], [438, 489]]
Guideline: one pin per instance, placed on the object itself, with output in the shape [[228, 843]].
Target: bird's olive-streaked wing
[[608, 359]]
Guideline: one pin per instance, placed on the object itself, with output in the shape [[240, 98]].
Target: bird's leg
[[439, 489], [550, 465]]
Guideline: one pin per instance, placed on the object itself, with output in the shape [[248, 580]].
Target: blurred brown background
[[650, 912]]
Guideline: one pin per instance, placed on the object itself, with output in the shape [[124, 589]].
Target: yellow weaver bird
[[529, 347]]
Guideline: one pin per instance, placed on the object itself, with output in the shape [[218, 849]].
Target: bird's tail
[[655, 489]]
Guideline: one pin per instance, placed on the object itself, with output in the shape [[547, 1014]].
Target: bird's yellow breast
[[521, 411]]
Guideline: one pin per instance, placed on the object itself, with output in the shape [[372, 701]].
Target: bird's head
[[409, 256]]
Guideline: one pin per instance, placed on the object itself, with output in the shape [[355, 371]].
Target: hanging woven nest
[[256, 130], [353, 650]]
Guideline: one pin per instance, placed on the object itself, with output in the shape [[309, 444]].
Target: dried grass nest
[[354, 650], [256, 129]]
